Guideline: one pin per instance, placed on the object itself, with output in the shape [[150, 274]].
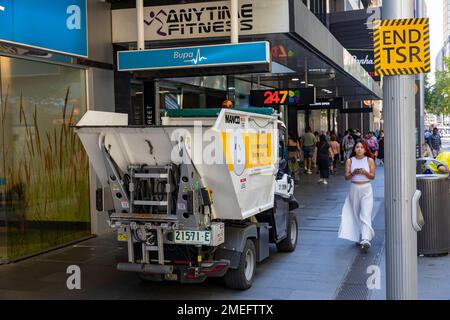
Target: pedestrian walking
[[342, 142], [335, 151], [373, 143], [294, 157], [308, 148], [427, 136], [436, 142], [381, 148], [356, 219], [348, 147], [357, 135], [323, 159], [314, 157]]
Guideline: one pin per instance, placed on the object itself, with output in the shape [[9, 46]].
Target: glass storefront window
[[301, 123], [319, 121], [44, 187]]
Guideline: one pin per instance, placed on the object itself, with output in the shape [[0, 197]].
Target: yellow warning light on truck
[[402, 46]]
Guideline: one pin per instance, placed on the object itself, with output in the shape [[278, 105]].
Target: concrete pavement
[[322, 267]]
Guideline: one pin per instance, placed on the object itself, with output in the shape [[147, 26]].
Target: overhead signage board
[[357, 110], [326, 103], [366, 59], [58, 26], [402, 46], [279, 97], [245, 53], [201, 20]]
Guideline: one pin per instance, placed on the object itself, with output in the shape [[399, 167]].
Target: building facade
[[47, 190], [445, 50], [45, 180]]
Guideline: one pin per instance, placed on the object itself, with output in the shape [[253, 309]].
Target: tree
[[437, 96]]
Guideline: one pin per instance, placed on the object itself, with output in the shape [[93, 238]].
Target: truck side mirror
[[283, 164]]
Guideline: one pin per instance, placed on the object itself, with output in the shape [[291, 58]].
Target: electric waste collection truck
[[202, 195]]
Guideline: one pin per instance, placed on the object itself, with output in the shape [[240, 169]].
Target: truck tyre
[[290, 242], [242, 277]]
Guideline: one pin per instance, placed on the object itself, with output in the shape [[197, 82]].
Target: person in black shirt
[[323, 159]]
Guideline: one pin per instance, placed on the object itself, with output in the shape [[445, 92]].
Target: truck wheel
[[289, 244], [242, 277]]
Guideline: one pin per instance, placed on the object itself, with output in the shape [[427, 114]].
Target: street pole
[[421, 14], [140, 24], [400, 177], [234, 13]]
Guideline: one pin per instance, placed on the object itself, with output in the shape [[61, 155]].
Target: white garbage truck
[[202, 195]]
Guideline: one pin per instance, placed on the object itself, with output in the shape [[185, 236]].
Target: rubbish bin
[[434, 238]]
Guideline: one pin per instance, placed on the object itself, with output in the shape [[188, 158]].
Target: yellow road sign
[[402, 46]]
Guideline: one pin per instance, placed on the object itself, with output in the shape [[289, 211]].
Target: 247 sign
[[402, 46]]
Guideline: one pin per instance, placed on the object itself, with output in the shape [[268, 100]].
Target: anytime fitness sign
[[201, 20]]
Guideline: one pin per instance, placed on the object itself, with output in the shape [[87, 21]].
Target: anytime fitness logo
[[154, 17], [198, 20]]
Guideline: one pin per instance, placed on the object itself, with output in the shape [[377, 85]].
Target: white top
[[359, 164]]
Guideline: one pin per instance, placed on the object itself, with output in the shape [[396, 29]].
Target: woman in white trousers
[[356, 220]]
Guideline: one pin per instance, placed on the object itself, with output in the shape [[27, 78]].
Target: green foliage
[[437, 96], [46, 197]]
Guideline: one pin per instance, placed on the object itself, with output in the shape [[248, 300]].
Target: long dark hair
[[322, 141], [367, 151]]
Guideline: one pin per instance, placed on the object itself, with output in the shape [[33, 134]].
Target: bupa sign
[[245, 53], [59, 26], [402, 46]]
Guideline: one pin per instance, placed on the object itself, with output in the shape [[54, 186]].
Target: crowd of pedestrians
[[322, 152], [360, 153]]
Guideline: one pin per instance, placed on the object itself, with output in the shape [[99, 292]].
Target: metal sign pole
[[421, 13], [234, 12], [400, 178], [140, 24]]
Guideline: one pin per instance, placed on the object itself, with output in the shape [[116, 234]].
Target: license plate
[[192, 237]]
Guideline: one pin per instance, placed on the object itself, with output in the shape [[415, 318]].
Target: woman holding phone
[[356, 219]]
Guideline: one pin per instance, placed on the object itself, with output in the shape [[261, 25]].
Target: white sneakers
[[365, 245], [320, 181], [309, 172], [324, 181]]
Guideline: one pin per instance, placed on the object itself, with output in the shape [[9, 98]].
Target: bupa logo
[[232, 119], [190, 57]]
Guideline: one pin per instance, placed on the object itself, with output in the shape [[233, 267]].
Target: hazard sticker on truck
[[243, 182]]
